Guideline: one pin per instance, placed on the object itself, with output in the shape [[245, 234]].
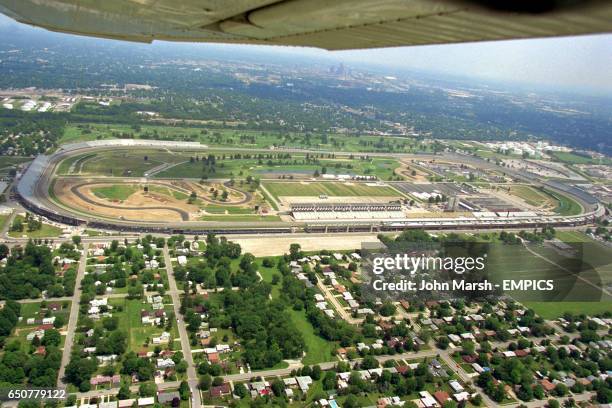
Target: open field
[[532, 196], [278, 245], [114, 192], [332, 189], [579, 277], [34, 311], [228, 164], [118, 163], [572, 158], [46, 231], [554, 310], [3, 219], [225, 137], [566, 205]]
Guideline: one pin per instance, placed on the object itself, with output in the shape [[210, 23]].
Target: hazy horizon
[[576, 64]]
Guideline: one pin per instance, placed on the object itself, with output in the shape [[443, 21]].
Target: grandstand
[[361, 211]]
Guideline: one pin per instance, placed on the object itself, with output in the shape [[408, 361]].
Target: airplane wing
[[329, 24]]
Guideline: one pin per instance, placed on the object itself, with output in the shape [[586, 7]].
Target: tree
[[184, 391], [147, 390], [4, 251], [278, 387], [205, 382], [240, 390], [76, 239], [124, 392], [295, 251]]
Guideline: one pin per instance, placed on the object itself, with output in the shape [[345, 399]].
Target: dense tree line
[[29, 271]]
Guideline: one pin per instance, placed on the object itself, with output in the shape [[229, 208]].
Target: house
[[145, 402], [213, 358], [115, 380], [165, 363], [441, 396], [182, 260], [290, 382], [220, 390], [462, 396], [163, 338], [427, 399], [456, 386], [127, 403], [36, 333], [547, 385], [106, 359], [521, 353], [304, 383]]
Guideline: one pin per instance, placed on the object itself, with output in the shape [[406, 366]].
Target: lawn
[[130, 322], [572, 158], [332, 189], [553, 310], [246, 138], [530, 195], [581, 277], [318, 350], [32, 310], [223, 209], [566, 206], [119, 162], [46, 231], [115, 192], [3, 219]]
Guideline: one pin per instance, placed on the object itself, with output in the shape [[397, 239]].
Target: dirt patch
[[141, 205], [411, 172], [271, 246]]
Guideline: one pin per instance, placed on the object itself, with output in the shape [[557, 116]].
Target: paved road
[[74, 316], [192, 377], [341, 311]]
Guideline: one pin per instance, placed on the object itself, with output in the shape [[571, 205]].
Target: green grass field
[[223, 209], [115, 191], [46, 231], [318, 349], [572, 158], [3, 219], [577, 278], [236, 138], [566, 205], [554, 310], [332, 189], [130, 322], [118, 162], [530, 195]]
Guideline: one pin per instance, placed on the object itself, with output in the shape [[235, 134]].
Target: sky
[[581, 63]]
